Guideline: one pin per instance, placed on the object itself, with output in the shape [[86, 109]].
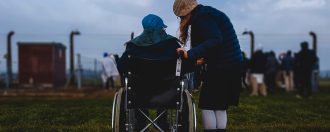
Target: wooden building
[[41, 64]]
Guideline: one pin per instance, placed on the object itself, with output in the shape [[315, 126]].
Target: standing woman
[[213, 38]]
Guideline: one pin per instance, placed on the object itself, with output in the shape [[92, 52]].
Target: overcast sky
[[105, 25]]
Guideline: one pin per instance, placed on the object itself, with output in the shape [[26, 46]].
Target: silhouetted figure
[[258, 69], [272, 67], [109, 71], [287, 65], [304, 63], [246, 65]]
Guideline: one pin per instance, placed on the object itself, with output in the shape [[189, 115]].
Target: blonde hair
[[184, 28]]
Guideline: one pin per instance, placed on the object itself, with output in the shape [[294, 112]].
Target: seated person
[[154, 43]]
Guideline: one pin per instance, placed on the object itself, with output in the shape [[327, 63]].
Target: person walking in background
[[280, 77], [245, 70], [305, 61], [287, 64], [271, 71], [258, 69], [109, 71], [213, 38]]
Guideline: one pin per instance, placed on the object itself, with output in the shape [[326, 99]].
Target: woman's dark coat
[[213, 38]]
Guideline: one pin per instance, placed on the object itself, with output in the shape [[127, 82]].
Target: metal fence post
[[252, 41], [132, 35], [9, 78], [79, 70], [314, 36], [72, 75], [315, 75], [95, 72]]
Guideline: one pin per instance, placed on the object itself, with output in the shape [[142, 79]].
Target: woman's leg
[[209, 120], [221, 116], [287, 81], [254, 86], [291, 81], [263, 89]]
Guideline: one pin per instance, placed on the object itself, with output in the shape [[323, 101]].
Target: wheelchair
[[153, 85]]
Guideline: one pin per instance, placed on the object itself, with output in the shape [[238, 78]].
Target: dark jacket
[[272, 64], [304, 63], [213, 38], [152, 61], [287, 63], [163, 50], [258, 62]]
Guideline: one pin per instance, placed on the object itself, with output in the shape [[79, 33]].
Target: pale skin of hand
[[185, 55]]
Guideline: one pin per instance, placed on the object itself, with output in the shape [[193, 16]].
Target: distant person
[[272, 67], [109, 71], [280, 77], [214, 39], [315, 75], [245, 70], [305, 61], [258, 69], [288, 75]]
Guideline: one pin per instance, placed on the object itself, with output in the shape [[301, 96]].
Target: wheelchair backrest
[[153, 82], [151, 68]]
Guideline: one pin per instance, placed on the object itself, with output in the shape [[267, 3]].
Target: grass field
[[278, 112]]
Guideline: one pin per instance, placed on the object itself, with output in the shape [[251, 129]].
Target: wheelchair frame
[[121, 108]]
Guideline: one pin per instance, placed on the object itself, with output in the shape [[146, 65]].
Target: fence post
[[315, 74], [79, 70], [72, 75], [314, 36], [9, 79], [251, 40], [132, 35], [95, 72]]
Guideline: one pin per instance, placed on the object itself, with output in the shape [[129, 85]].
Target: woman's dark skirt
[[221, 88]]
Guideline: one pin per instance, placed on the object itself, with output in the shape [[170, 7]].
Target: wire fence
[[92, 45], [89, 73]]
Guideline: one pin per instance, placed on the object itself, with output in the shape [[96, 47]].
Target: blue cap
[[105, 54], [152, 21]]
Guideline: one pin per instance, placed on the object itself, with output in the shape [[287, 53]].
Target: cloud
[[143, 3], [107, 17], [297, 4]]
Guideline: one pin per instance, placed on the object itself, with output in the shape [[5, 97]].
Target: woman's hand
[[200, 62], [182, 50]]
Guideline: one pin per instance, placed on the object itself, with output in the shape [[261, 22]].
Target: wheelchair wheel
[[118, 112], [187, 117]]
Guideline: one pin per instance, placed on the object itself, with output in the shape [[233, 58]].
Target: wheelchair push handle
[[181, 54]]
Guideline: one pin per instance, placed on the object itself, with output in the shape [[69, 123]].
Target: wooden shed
[[41, 64]]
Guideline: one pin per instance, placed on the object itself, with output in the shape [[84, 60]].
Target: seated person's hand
[[182, 50]]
